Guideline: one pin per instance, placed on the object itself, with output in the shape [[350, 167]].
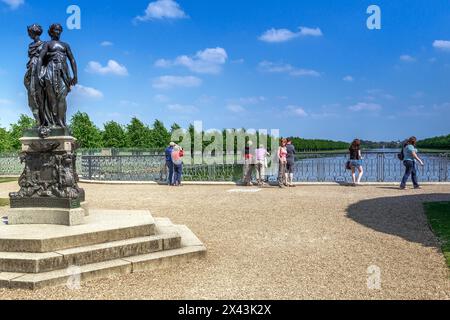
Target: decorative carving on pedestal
[[48, 174]]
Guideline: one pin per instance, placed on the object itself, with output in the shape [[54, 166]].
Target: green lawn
[[438, 214], [4, 202], [2, 180]]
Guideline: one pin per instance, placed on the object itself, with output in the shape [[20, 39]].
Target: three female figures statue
[[48, 80]]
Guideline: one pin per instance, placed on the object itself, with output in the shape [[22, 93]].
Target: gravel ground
[[314, 242]]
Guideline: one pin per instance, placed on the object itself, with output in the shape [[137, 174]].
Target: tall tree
[[175, 127], [5, 143], [138, 134], [160, 135], [114, 135], [17, 130], [85, 131]]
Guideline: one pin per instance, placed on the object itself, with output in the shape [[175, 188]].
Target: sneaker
[[418, 187], [402, 188]]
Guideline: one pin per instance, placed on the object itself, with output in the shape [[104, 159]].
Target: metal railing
[[310, 167]]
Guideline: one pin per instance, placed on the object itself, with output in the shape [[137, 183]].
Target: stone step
[[63, 259], [192, 248], [102, 226]]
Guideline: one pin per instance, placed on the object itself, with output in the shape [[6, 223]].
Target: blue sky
[[309, 68]]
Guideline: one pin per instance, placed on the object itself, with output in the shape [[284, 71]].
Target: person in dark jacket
[[290, 148], [169, 163]]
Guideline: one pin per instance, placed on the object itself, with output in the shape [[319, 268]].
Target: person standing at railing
[[249, 164], [261, 164], [282, 159], [177, 159], [409, 160], [356, 162], [169, 163], [290, 164]]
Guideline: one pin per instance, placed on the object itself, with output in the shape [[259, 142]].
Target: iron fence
[[310, 167]]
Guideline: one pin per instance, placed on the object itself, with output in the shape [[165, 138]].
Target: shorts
[[356, 163], [290, 167]]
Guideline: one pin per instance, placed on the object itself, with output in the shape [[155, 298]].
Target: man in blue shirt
[[169, 163]]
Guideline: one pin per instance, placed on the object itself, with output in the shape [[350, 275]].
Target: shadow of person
[[401, 216]]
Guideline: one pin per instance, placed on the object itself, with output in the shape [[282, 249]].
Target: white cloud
[[364, 106], [106, 44], [252, 100], [168, 82], [375, 94], [161, 98], [442, 45], [407, 58], [238, 61], [313, 32], [267, 66], [163, 9], [181, 108], [236, 108], [418, 95], [87, 92], [113, 67], [348, 79], [278, 35], [128, 103], [14, 4], [297, 111], [208, 61], [283, 35], [5, 102]]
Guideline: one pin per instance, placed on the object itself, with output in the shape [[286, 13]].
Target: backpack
[[401, 155]]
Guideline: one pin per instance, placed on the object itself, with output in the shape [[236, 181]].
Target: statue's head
[[34, 31], [55, 31]]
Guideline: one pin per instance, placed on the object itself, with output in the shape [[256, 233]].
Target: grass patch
[[4, 202], [438, 214], [2, 180]]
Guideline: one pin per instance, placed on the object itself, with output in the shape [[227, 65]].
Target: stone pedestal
[[49, 192], [65, 217]]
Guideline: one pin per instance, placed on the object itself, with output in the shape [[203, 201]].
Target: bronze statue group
[[48, 80]]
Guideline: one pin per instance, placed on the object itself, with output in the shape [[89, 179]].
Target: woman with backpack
[[177, 155], [409, 155], [356, 162]]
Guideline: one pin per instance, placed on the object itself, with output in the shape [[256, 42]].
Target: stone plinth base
[[63, 217], [110, 243]]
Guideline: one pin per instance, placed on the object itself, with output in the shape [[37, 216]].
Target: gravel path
[[313, 242]]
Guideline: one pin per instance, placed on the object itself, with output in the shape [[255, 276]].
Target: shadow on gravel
[[401, 216]]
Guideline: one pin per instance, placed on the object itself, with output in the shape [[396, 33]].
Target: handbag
[[348, 165]]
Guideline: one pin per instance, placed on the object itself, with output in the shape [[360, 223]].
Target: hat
[[172, 144]]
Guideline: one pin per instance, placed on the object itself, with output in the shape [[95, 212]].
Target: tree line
[[138, 135], [440, 143]]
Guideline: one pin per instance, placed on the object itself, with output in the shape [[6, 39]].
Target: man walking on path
[[169, 163], [290, 163]]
